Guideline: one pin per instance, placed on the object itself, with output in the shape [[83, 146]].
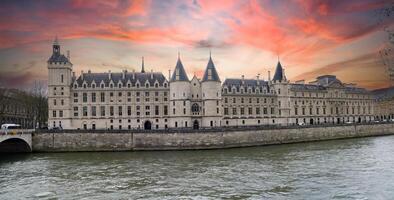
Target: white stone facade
[[147, 100]]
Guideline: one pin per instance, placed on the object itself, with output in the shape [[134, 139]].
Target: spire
[[143, 67], [179, 73], [210, 73]]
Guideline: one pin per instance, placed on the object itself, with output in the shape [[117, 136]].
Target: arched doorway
[[359, 120], [14, 145], [147, 125], [195, 124], [311, 121]]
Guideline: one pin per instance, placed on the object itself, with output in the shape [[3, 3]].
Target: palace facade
[[147, 100]]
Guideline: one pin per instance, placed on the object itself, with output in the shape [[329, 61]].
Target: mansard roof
[[306, 87], [214, 74], [118, 77], [182, 76], [278, 72], [245, 84], [383, 93]]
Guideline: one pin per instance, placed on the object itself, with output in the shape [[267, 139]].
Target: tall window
[[93, 111], [102, 111], [75, 111], [93, 97], [120, 110], [62, 78], [165, 110], [128, 110], [102, 97], [84, 97], [156, 110], [111, 111], [85, 111]]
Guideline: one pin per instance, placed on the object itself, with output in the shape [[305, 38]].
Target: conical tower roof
[[279, 76], [179, 72], [210, 73]]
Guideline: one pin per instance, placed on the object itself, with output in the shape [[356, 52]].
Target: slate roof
[[278, 72], [214, 74], [383, 93], [326, 80], [245, 83], [307, 87], [116, 77], [182, 73], [58, 58]]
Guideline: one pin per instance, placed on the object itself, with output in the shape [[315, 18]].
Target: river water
[[341, 169]]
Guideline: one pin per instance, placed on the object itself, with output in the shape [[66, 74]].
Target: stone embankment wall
[[127, 141]]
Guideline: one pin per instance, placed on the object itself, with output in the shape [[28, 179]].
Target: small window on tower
[[62, 78]]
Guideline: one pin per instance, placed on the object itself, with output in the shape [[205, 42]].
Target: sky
[[245, 37]]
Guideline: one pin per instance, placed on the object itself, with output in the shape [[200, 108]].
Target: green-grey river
[[341, 169]]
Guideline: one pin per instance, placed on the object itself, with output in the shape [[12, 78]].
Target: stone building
[[147, 100], [384, 103]]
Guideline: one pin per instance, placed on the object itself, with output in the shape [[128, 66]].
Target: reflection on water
[[341, 169]]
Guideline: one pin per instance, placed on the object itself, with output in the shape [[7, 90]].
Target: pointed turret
[[179, 72], [210, 73], [279, 75]]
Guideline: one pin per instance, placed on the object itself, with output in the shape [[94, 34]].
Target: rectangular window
[[250, 111], [84, 97], [93, 111], [242, 111], [156, 110], [111, 111], [93, 97], [128, 110], [272, 111], [265, 111], [225, 111], [120, 110], [85, 111], [54, 102], [75, 111], [61, 113], [257, 111], [54, 113], [102, 111], [234, 111], [165, 110], [102, 97]]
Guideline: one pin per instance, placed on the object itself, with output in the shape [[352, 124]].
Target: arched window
[[156, 85], [165, 85], [147, 85]]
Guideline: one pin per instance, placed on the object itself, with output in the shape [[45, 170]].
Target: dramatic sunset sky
[[311, 37]]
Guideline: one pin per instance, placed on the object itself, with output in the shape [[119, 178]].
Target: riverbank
[[70, 141]]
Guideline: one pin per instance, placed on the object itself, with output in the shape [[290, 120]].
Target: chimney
[[269, 75], [82, 74], [123, 74], [151, 74], [133, 74], [169, 74], [258, 79], [243, 78], [109, 74]]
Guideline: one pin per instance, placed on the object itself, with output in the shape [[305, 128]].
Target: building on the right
[[384, 103], [278, 101]]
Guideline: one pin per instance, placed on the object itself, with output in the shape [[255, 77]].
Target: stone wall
[[126, 141]]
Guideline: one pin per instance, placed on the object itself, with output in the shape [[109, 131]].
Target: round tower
[[180, 89], [281, 86], [211, 96]]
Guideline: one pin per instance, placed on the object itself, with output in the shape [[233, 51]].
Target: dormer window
[[93, 85], [147, 85], [75, 86], [156, 85], [128, 85], [137, 85], [119, 85], [102, 85], [84, 85], [111, 85], [165, 85]]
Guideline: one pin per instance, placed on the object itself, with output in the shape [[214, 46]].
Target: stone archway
[[311, 121], [147, 125], [196, 125], [14, 145]]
